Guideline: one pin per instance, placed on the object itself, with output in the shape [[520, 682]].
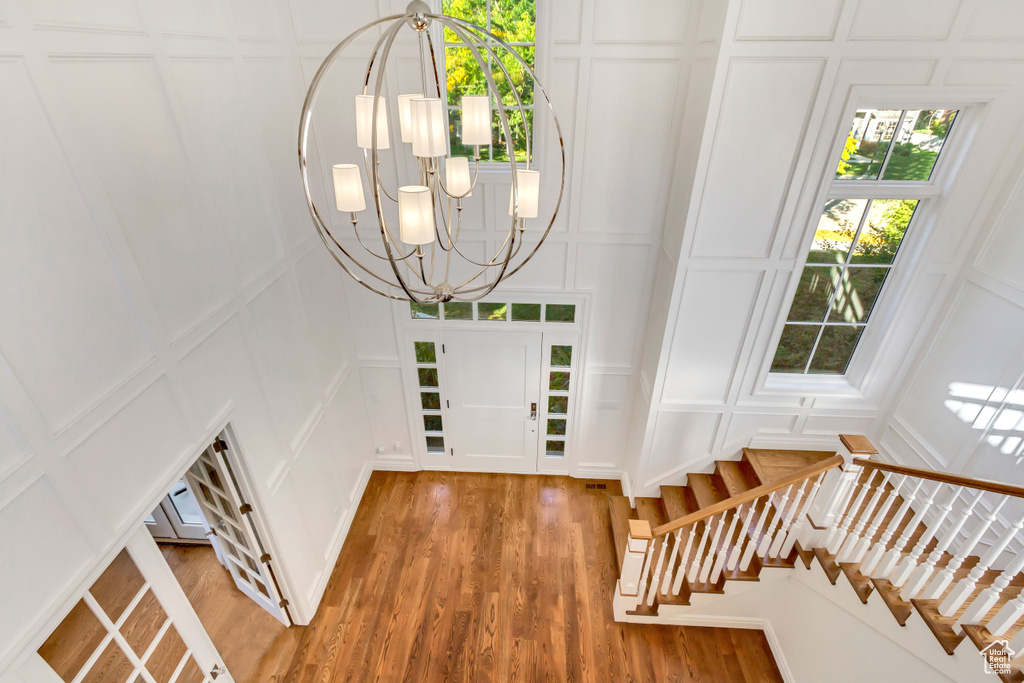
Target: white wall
[[159, 278], [783, 88]]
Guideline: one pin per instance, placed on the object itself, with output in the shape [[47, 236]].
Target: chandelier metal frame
[[413, 276]]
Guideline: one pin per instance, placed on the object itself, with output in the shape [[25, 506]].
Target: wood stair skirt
[[907, 527]]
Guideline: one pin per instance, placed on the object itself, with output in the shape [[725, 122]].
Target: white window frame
[[498, 171], [932, 193]]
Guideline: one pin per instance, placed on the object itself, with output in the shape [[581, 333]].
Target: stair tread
[[621, 512], [652, 510], [706, 492], [736, 478], [771, 465], [678, 501], [982, 638]]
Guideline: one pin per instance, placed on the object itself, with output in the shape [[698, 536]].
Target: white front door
[[493, 385]]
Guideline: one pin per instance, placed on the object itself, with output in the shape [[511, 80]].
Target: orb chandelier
[[413, 251]]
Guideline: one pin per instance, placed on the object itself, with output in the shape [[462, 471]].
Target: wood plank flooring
[[255, 646], [490, 577]]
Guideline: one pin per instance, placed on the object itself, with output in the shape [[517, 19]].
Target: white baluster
[[892, 556], [864, 542], [709, 560], [677, 585], [691, 576], [801, 519], [853, 538], [988, 598], [653, 592], [966, 587], [919, 577], [842, 497], [835, 541], [1007, 616], [741, 537], [878, 550], [773, 525], [787, 521], [667, 579], [748, 554], [723, 554], [945, 577], [899, 576], [646, 573]]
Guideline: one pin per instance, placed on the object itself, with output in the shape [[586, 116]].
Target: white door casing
[[492, 381]]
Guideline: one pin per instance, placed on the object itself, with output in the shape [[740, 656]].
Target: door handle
[[533, 411], [218, 670]]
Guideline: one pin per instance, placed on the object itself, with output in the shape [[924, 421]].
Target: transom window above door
[[881, 186]]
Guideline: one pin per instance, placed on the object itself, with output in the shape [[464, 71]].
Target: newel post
[[836, 492], [638, 544]]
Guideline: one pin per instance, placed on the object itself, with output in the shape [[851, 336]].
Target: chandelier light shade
[[364, 127], [420, 258], [348, 188]]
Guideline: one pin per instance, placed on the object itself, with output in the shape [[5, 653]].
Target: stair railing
[[942, 520], [695, 552]]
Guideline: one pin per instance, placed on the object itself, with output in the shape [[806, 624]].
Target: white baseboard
[[593, 470], [396, 465]]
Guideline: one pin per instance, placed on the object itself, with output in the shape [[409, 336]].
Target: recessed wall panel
[[626, 125], [753, 154], [744, 426], [640, 21], [69, 332], [679, 437], [603, 419], [788, 19], [996, 20], [323, 296], [715, 314], [316, 482], [42, 555], [122, 462], [122, 115], [385, 400], [117, 15], [950, 400], [231, 171], [619, 275], [904, 20], [279, 339], [273, 92]]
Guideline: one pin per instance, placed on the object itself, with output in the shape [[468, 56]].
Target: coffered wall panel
[[754, 151], [323, 295], [116, 15], [154, 429], [119, 108], [68, 346], [641, 21], [628, 128], [200, 18], [231, 172], [272, 93], [788, 19], [905, 20], [37, 524], [281, 348]]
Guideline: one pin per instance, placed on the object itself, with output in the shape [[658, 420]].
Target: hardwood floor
[[256, 647], [489, 577]]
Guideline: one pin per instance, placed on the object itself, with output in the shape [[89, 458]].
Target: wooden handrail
[[979, 484], [747, 496]]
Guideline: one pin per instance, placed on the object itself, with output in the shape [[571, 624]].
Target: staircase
[[928, 544]]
